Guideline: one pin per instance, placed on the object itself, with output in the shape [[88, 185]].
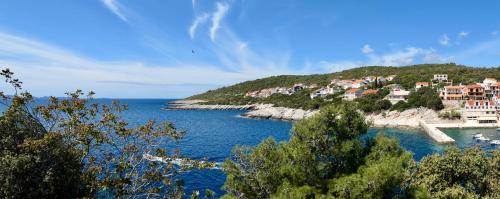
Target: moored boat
[[495, 142]]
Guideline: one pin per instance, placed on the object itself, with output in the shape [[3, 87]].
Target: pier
[[436, 134]]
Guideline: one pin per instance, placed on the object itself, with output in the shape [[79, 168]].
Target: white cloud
[[116, 8], [49, 70], [408, 56], [197, 21], [367, 49], [463, 34], [217, 16], [444, 40]]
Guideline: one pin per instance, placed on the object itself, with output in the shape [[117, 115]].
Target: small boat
[[483, 139], [495, 142], [498, 129], [477, 136]]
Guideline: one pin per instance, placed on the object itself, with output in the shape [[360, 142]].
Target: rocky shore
[[280, 113], [255, 110], [409, 118], [197, 105]]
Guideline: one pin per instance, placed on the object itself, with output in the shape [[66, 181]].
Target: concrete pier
[[436, 134]]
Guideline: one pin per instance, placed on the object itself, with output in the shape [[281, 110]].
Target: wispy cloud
[[197, 21], [407, 56], [444, 40], [48, 70], [463, 35], [217, 16], [116, 8], [367, 49], [495, 33]]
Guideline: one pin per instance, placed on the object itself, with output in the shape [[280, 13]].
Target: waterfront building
[[479, 112], [474, 92], [452, 93], [489, 84], [397, 94]]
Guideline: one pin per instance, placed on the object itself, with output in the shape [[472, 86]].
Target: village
[[477, 103]]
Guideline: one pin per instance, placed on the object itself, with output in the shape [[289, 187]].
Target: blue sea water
[[212, 134]]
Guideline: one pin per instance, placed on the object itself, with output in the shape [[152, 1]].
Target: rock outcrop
[[280, 113]]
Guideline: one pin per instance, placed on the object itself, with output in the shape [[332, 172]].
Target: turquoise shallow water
[[212, 135]]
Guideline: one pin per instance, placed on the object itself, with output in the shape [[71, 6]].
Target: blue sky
[[143, 49]]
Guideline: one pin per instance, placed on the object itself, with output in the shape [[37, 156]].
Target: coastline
[[417, 118]]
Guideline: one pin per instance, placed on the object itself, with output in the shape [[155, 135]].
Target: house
[[358, 83], [369, 92], [419, 85], [452, 93], [352, 94], [322, 92], [397, 94], [489, 84], [381, 80], [479, 112], [440, 77], [370, 78], [298, 87], [474, 91], [390, 77]]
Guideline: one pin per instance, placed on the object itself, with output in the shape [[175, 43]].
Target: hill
[[405, 75]]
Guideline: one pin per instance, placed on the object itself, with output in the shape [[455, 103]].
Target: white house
[[419, 85], [352, 94], [440, 77], [479, 112], [390, 77], [397, 94]]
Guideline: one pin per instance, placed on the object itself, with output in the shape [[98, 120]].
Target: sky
[[177, 48]]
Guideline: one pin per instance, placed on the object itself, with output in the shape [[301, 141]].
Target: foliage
[[70, 147], [452, 115], [373, 102], [325, 157], [459, 174]]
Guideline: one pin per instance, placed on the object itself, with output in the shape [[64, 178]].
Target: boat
[[477, 136], [498, 129], [495, 142], [483, 139]]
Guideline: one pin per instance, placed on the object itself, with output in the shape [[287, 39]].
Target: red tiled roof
[[370, 91], [474, 86], [352, 90]]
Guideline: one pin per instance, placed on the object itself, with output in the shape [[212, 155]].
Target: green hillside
[[406, 76]]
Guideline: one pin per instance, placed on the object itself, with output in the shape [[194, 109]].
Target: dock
[[436, 134]]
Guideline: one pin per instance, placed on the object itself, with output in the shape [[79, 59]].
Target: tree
[[70, 147], [325, 152], [470, 173]]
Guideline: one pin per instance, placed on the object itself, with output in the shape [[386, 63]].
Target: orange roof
[[422, 83], [370, 91], [454, 86], [352, 90], [474, 86]]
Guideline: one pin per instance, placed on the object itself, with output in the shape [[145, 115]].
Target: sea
[[212, 134]]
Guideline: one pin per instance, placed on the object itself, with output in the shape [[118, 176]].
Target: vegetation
[[374, 103], [452, 115], [327, 158], [423, 97], [406, 76], [72, 148]]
